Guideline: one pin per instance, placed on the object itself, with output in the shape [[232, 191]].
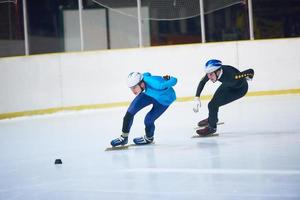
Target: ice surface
[[256, 156]]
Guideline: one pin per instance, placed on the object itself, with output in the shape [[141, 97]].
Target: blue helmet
[[212, 65]]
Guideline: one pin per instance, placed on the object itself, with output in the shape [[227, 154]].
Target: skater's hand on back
[[166, 77], [197, 104]]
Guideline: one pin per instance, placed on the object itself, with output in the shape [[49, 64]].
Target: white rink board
[[74, 79]]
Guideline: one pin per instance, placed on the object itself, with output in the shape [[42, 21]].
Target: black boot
[[203, 123], [206, 131]]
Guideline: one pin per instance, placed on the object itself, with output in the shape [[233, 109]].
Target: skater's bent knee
[[212, 105]]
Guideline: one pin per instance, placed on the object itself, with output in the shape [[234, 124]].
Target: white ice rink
[[256, 156]]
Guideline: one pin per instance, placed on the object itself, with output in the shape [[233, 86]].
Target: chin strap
[[215, 72], [217, 76], [140, 84]]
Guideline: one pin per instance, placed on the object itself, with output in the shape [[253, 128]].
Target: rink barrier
[[122, 104]]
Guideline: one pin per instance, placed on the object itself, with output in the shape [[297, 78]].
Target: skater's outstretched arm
[[201, 85], [197, 102]]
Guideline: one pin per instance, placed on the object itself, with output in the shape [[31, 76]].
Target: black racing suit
[[234, 86]]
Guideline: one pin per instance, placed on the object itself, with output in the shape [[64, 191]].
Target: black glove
[[251, 73], [166, 77]]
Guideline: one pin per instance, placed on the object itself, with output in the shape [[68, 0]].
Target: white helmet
[[212, 65], [134, 78]]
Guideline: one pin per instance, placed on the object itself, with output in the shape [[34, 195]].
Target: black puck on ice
[[58, 161]]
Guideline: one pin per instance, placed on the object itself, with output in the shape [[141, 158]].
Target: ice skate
[[207, 131], [121, 141], [143, 140], [203, 123]]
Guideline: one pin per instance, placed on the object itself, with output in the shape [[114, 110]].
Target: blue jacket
[[160, 89]]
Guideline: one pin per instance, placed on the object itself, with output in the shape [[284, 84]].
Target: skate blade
[[117, 148], [211, 135], [201, 127], [125, 147]]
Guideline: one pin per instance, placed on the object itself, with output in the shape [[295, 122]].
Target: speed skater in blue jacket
[[149, 89]]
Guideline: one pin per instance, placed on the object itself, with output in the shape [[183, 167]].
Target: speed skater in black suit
[[233, 86]]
